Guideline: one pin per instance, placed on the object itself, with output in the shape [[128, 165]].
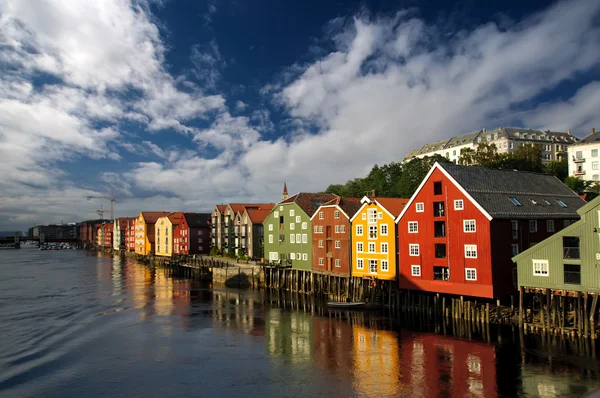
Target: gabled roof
[[221, 208], [175, 217], [535, 195], [590, 139], [392, 206], [241, 207], [151, 216], [349, 206], [197, 220], [309, 202], [257, 216]]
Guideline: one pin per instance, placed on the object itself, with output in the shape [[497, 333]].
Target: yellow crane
[[112, 199]]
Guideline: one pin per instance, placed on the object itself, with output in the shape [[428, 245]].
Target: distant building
[[584, 160], [554, 144], [144, 231], [55, 231], [191, 235], [225, 230]]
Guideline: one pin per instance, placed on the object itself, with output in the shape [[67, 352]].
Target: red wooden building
[[130, 243], [87, 231], [331, 236], [462, 226], [192, 235], [108, 234]]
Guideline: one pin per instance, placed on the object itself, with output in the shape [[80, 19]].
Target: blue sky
[[185, 104]]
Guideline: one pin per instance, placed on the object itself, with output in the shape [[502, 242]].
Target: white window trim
[[360, 264], [461, 202], [338, 262], [544, 264], [470, 246], [359, 226], [413, 268], [376, 266], [363, 247], [304, 225], [321, 215], [292, 238], [304, 257], [550, 223], [371, 245], [410, 251], [321, 243], [338, 244], [321, 261], [384, 244], [291, 212], [474, 270], [336, 214], [420, 205], [533, 223], [468, 222], [381, 229], [298, 219], [413, 224], [387, 268]]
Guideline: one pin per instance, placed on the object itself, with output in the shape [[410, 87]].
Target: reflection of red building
[[332, 342], [435, 366]]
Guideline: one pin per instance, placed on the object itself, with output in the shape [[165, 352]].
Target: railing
[[571, 253], [579, 172], [578, 160]]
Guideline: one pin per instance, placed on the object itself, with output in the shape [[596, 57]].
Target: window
[[291, 212], [420, 207], [270, 227], [371, 247], [414, 249], [336, 214], [550, 225], [292, 226], [440, 250], [342, 229], [415, 270], [372, 231], [515, 229], [470, 251], [470, 274], [594, 153], [384, 229], [359, 247], [572, 274], [372, 266], [298, 238], [321, 243], [384, 247], [304, 225], [570, 247], [199, 240], [320, 229], [337, 229], [304, 256], [304, 238], [413, 227], [380, 215], [561, 203], [384, 265], [270, 238], [292, 238], [200, 232], [540, 267], [364, 216], [532, 226], [437, 188], [515, 249], [359, 230], [338, 244], [292, 256], [360, 264], [459, 204], [316, 229], [338, 262], [298, 256], [514, 201], [438, 209], [439, 229], [595, 177], [298, 219], [321, 261], [276, 214], [441, 274], [372, 216], [511, 145], [469, 226], [579, 155], [566, 223], [321, 215]]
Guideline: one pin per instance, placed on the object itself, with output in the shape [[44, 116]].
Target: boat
[[353, 305]]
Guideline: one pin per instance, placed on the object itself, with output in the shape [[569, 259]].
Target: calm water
[[80, 324]]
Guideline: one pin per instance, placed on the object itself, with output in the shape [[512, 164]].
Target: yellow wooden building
[[144, 231], [163, 232], [374, 238]]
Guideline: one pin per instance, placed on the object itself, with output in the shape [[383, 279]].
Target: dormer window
[[561, 203], [515, 201]]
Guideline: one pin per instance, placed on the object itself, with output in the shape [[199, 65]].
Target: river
[[75, 323]]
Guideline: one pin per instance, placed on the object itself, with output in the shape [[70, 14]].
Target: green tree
[[466, 157], [558, 168], [577, 184]]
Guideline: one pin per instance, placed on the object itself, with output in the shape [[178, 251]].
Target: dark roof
[[197, 220], [309, 202], [537, 193], [393, 205], [594, 137], [150, 217], [349, 205]]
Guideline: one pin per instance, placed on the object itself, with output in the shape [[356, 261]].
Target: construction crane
[[112, 199], [101, 212]]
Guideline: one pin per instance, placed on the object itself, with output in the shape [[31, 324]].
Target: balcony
[[578, 160], [579, 172]]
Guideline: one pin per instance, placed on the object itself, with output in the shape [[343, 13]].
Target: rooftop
[[309, 202], [196, 220]]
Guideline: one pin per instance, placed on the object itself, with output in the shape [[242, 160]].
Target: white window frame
[[413, 227], [533, 226], [321, 261], [304, 238], [360, 263], [292, 238], [385, 267], [291, 212], [469, 250], [459, 204], [321, 215], [337, 229], [270, 227], [595, 165], [469, 226], [298, 237], [270, 238], [338, 262], [384, 229], [304, 257], [380, 215], [360, 247], [364, 216], [321, 243], [514, 249], [373, 231], [413, 249], [415, 270], [420, 207], [550, 226], [342, 229], [298, 219], [371, 245], [539, 266], [384, 244], [292, 226], [470, 274], [372, 214], [304, 225], [336, 214], [359, 230], [316, 229], [292, 256], [338, 244], [276, 214], [371, 260], [320, 229]]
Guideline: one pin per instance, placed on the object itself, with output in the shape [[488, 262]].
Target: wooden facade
[[131, 235], [144, 235], [253, 232], [191, 236], [164, 233]]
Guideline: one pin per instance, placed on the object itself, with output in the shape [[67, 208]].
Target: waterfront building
[[191, 235], [131, 235], [121, 232], [288, 234], [107, 234], [226, 225], [99, 234], [584, 159], [460, 229], [217, 226], [566, 260], [374, 237], [507, 139], [144, 231], [331, 236], [164, 233], [87, 232], [55, 231], [252, 232]]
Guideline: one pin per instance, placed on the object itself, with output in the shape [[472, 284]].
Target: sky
[[178, 105]]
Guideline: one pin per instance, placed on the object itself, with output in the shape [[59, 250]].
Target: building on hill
[[566, 260], [288, 234], [191, 236], [144, 231], [507, 139], [374, 237], [164, 230], [331, 237], [460, 229], [584, 161]]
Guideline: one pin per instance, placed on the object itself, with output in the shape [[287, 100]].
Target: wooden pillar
[[592, 316], [585, 315], [521, 309]]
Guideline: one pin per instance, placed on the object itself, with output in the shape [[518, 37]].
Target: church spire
[[284, 196]]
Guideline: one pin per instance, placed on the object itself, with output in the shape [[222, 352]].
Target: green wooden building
[[288, 232], [568, 260]]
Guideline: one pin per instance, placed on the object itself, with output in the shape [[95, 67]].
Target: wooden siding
[[551, 250], [329, 236], [365, 255], [285, 248]]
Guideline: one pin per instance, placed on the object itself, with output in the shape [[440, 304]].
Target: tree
[[577, 184], [528, 158], [558, 168], [486, 155], [466, 156]]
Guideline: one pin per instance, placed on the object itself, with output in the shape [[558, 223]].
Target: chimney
[[569, 131], [483, 129], [372, 193], [593, 130]]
